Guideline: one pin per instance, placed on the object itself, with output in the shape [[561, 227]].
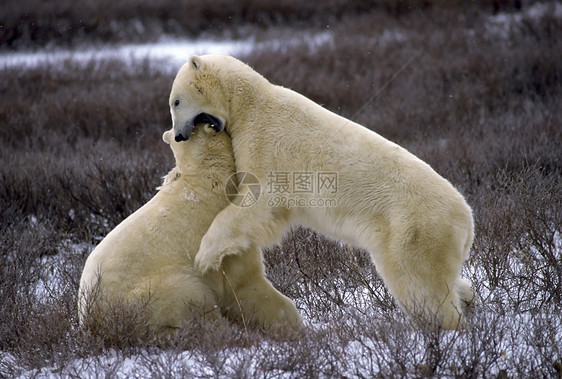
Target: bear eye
[[177, 102]]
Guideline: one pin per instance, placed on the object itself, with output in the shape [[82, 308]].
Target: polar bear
[[149, 256], [416, 226]]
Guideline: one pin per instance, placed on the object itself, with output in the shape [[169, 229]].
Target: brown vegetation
[[81, 150], [33, 23]]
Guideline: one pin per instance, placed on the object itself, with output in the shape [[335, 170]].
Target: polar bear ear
[[196, 62], [167, 136]]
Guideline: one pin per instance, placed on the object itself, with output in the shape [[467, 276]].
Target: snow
[[361, 356], [190, 196], [52, 282], [171, 52], [501, 24], [176, 50]]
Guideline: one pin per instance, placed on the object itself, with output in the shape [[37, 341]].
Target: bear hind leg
[[265, 307], [437, 306], [425, 295]]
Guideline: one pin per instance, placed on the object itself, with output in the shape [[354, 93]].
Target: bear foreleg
[[235, 229]]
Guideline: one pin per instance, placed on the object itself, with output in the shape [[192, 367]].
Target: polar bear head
[[210, 89], [207, 153]]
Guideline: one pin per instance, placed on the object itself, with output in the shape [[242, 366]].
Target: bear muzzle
[[184, 133]]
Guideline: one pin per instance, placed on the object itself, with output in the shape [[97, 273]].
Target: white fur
[[416, 226], [150, 254]]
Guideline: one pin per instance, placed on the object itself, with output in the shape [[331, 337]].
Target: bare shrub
[[33, 22]]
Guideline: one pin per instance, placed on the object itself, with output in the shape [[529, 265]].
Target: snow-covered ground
[[501, 24], [359, 356], [175, 50], [170, 52]]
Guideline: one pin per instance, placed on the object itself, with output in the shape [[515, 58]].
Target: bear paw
[[211, 253]]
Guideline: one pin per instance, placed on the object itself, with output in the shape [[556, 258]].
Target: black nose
[[180, 137]]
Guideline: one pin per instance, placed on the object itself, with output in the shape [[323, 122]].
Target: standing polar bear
[[416, 226], [149, 256]]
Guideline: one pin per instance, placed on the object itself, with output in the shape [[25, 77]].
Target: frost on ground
[[333, 346], [53, 279]]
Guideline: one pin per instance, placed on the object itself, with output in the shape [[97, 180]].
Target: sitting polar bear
[[416, 226], [150, 254]]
